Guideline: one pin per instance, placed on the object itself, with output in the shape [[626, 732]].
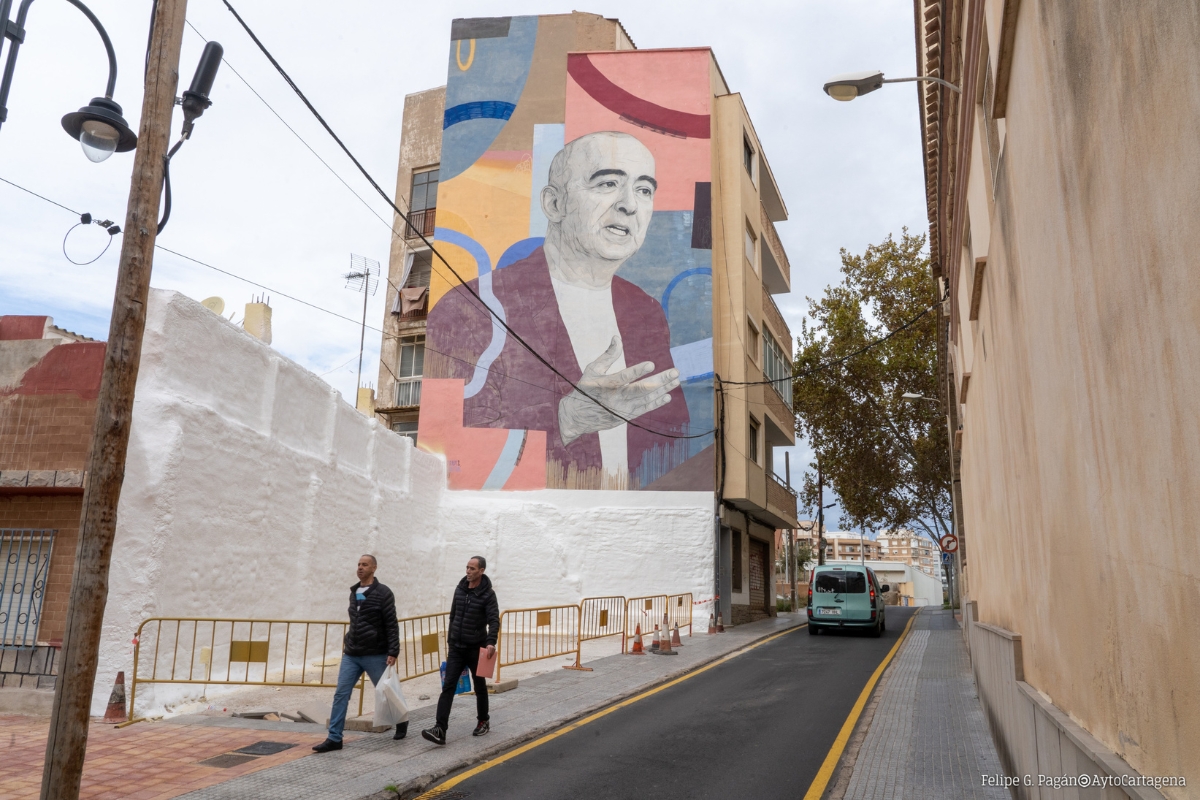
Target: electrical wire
[[463, 283]]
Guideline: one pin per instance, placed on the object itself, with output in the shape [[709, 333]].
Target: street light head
[[100, 129], [853, 84], [911, 396]]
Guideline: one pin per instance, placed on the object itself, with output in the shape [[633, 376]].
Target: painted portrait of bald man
[[606, 335]]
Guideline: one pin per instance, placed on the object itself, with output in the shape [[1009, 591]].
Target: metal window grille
[[24, 566]]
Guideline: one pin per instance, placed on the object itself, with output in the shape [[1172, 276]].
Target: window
[[408, 429], [752, 340], [420, 271], [424, 190], [748, 156], [751, 248], [410, 368], [754, 440], [777, 369], [841, 582]]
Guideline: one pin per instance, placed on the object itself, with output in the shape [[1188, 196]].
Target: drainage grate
[[227, 760], [265, 748]]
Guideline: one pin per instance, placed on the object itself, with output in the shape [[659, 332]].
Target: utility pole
[[820, 514], [67, 740]]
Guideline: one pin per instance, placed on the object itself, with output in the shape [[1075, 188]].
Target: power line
[[496, 316], [40, 197]]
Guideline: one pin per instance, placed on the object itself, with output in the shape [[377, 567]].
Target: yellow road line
[[457, 779], [839, 744]]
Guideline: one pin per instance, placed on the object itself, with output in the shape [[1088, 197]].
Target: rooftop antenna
[[362, 277]]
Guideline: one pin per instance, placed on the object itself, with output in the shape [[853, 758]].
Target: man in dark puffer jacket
[[372, 643], [474, 624]]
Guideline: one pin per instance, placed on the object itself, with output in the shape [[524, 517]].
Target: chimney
[[258, 320]]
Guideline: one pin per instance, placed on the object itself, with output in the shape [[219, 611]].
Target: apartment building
[[906, 547], [508, 306], [1062, 203]]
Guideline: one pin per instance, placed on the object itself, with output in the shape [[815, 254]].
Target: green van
[[845, 596]]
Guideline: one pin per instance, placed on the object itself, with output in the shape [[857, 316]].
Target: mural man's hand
[[629, 393]]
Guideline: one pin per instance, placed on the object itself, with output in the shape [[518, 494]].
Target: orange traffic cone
[[655, 642], [720, 625], [637, 650], [675, 637], [712, 624], [116, 701], [664, 649]]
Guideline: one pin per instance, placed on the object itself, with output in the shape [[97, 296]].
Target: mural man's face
[[608, 200]]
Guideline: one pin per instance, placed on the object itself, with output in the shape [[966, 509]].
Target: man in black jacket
[[372, 644], [474, 624]]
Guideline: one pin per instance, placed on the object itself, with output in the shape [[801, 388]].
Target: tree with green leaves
[[866, 342]]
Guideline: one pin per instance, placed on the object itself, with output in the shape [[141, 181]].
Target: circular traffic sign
[[949, 543]]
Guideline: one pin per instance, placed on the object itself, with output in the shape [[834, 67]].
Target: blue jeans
[[351, 670]]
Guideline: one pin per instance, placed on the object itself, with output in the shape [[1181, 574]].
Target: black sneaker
[[482, 728], [401, 730], [327, 745], [434, 734]]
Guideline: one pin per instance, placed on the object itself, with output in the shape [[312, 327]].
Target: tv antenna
[[362, 277]]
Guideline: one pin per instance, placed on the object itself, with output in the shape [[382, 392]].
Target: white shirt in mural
[[591, 325]]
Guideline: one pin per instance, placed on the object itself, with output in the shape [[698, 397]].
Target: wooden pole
[[67, 740]]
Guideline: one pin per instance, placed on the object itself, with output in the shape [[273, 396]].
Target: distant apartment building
[[506, 308], [906, 547]]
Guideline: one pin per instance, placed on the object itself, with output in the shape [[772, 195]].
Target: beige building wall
[[1080, 429]]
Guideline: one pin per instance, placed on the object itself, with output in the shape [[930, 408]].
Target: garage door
[[758, 574]]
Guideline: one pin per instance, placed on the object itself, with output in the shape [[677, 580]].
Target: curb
[[417, 786]]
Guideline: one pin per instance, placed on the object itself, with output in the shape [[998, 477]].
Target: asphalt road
[[758, 726]]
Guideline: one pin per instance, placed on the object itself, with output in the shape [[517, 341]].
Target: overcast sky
[[251, 199]]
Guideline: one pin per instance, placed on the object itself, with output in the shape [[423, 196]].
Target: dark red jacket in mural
[[522, 393]]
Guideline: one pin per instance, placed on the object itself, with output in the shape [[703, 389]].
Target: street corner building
[[580, 210], [1062, 203]]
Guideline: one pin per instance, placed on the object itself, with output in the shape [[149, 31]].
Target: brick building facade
[[49, 382]]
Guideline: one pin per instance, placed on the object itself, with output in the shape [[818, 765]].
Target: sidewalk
[[923, 734], [193, 756]]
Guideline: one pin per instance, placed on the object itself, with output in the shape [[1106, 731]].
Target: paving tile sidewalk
[[540, 704], [928, 738]]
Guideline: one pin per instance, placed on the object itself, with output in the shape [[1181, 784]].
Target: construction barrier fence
[[601, 617], [266, 652]]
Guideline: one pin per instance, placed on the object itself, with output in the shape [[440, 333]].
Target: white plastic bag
[[390, 708]]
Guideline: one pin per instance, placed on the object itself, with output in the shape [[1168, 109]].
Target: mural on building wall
[[581, 218]]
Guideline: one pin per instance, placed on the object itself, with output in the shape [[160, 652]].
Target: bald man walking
[[371, 645]]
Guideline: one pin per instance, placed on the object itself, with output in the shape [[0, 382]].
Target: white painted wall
[[251, 489]]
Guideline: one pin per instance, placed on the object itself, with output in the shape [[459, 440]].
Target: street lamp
[[912, 397], [99, 126], [853, 84]]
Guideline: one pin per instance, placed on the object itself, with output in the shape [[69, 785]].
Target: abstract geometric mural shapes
[[687, 273], [499, 334], [635, 110], [477, 458], [547, 141], [694, 360], [520, 250], [481, 95], [702, 221], [477, 109]]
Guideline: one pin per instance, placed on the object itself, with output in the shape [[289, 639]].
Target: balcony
[[420, 223], [408, 392], [777, 272], [781, 500]]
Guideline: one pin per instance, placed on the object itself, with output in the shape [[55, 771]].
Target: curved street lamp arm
[[108, 46], [16, 32], [947, 84]]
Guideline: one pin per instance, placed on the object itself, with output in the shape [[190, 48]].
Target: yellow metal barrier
[[531, 634], [644, 611], [259, 652], [679, 611], [600, 617]]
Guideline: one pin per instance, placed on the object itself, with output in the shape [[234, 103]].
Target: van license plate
[[829, 612]]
